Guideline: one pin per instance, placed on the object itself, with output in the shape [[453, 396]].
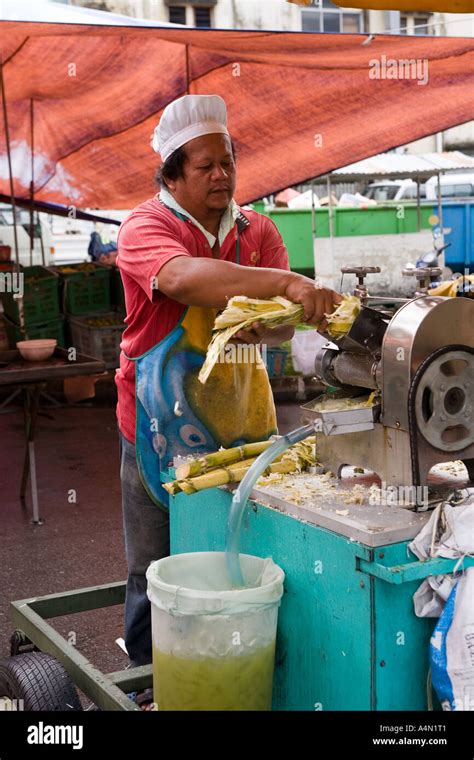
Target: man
[[101, 249], [182, 255]]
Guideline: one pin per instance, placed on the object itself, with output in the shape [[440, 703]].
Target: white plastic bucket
[[213, 646]]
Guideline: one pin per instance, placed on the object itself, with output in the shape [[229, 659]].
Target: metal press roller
[[418, 354]]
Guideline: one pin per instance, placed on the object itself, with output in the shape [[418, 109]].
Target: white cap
[[186, 118]]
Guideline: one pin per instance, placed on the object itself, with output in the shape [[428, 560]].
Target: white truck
[[64, 240], [452, 186], [42, 239]]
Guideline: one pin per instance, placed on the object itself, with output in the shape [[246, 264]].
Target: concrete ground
[[81, 543]]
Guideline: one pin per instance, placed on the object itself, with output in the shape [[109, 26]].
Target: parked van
[[452, 186], [393, 190]]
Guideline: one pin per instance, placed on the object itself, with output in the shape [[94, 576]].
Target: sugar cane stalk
[[231, 474], [220, 458]]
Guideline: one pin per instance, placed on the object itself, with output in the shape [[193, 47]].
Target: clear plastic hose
[[242, 494]]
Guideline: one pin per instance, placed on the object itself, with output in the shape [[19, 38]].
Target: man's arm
[[208, 282], [273, 255]]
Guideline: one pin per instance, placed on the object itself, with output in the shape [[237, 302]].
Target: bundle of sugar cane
[[231, 470], [239, 314], [233, 473], [342, 318], [220, 458]]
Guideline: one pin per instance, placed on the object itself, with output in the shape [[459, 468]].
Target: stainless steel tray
[[338, 422]]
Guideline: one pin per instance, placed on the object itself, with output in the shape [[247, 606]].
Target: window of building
[[324, 16], [202, 16], [177, 14], [415, 24], [421, 25]]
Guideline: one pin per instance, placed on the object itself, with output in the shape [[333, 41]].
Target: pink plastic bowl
[[36, 350]]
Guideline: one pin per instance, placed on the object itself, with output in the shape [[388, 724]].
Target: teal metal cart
[[348, 637]]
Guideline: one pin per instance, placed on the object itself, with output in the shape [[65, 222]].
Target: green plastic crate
[[53, 329], [40, 297], [100, 341], [84, 291]]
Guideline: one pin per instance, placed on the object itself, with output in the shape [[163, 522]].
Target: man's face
[[209, 175]]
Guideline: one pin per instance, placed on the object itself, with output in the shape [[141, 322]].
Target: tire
[[40, 681]]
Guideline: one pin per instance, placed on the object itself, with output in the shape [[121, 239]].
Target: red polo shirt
[[148, 238]]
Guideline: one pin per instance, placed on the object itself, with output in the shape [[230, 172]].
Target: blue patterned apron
[[178, 416]]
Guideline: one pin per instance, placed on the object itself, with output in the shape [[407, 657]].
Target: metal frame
[[106, 690], [414, 571]]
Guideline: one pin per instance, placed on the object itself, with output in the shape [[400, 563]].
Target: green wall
[[296, 228]]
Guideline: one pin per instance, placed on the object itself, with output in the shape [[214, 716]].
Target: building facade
[[319, 16]]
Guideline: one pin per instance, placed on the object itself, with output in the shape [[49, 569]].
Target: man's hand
[[316, 300], [271, 336]]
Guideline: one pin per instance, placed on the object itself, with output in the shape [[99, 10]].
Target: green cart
[[44, 669]]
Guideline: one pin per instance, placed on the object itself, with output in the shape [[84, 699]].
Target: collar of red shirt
[[228, 220]]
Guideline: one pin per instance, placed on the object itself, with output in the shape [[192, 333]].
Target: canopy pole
[[440, 216], [330, 208], [38, 222], [331, 232], [10, 172], [32, 194], [32, 184], [418, 204], [12, 197], [313, 226]]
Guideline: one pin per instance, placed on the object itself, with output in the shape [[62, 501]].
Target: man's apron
[[178, 415]]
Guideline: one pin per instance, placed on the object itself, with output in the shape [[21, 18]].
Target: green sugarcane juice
[[242, 682]]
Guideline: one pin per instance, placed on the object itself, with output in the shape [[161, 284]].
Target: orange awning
[[300, 104]]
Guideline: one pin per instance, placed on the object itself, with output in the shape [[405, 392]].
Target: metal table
[[31, 378]]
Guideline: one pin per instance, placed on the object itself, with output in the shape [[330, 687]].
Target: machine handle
[[412, 571], [360, 271], [423, 272]]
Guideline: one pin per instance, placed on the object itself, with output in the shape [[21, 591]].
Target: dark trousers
[[146, 529]]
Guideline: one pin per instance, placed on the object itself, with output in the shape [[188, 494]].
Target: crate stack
[[90, 301], [41, 307]]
